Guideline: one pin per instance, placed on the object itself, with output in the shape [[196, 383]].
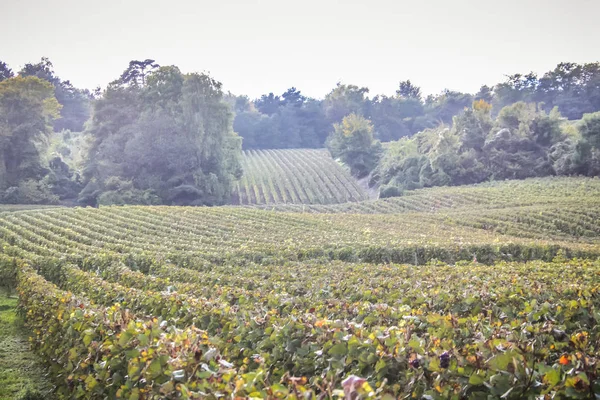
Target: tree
[[344, 100], [409, 91], [521, 142], [258, 131], [27, 108], [587, 151], [293, 97], [399, 168], [589, 128], [474, 125], [352, 142], [268, 104], [167, 139], [448, 104], [75, 103], [485, 93], [388, 115], [137, 72], [5, 71]]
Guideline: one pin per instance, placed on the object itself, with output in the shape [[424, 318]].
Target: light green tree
[[352, 142], [27, 108]]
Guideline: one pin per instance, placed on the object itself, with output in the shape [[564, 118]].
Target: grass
[[21, 377]]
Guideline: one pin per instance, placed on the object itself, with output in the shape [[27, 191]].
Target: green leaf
[[338, 350], [476, 380], [90, 383], [552, 377], [143, 339], [380, 365], [124, 339], [155, 369], [87, 339], [132, 353], [279, 390], [501, 361]]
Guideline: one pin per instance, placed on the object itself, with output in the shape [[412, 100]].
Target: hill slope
[[444, 223], [203, 300], [534, 191], [294, 176]]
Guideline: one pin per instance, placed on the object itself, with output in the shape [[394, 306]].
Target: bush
[[131, 196], [390, 191], [29, 192]]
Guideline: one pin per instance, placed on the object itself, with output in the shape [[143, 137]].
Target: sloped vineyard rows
[[308, 176], [489, 195], [233, 302], [220, 234]]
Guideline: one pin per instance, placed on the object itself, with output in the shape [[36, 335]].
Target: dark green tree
[[168, 140], [5, 71], [137, 72], [268, 104], [293, 97], [409, 91]]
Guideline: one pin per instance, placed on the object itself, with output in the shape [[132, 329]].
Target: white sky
[[255, 47]]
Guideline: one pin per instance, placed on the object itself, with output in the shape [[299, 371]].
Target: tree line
[[292, 120], [156, 135], [522, 141]]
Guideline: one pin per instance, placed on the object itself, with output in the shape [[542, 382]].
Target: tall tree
[[27, 108], [268, 104], [167, 141], [352, 142], [344, 100], [75, 102], [485, 93], [293, 97], [137, 72], [448, 104], [5, 71], [409, 91]]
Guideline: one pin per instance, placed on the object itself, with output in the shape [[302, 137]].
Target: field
[[538, 191], [488, 291], [298, 176]]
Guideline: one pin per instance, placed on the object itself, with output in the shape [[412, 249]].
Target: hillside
[[295, 176], [203, 300], [539, 212], [497, 194]]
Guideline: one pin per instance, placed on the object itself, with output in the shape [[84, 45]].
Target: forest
[[157, 135]]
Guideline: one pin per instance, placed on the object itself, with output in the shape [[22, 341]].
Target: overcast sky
[[256, 47]]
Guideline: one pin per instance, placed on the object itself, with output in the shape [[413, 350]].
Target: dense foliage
[[292, 120], [38, 108], [179, 302], [161, 137], [352, 142], [75, 103], [27, 107], [522, 141]]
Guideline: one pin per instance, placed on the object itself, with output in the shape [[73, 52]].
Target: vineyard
[[294, 177], [489, 291], [487, 195]]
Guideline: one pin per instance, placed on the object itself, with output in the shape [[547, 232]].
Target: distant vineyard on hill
[[528, 192], [299, 176]]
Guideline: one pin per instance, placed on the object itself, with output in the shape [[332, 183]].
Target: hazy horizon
[[269, 46]]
